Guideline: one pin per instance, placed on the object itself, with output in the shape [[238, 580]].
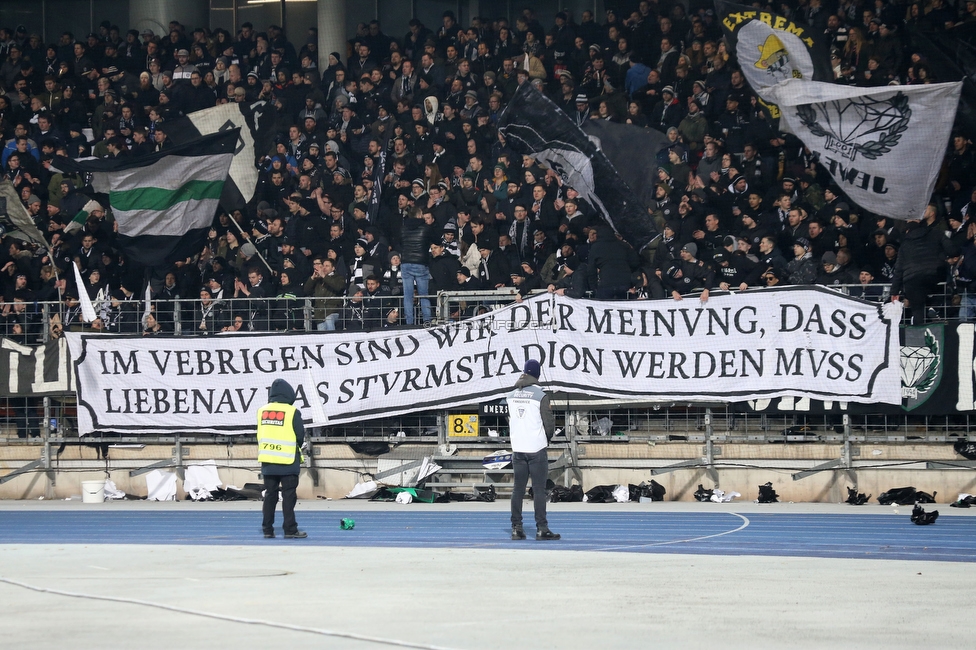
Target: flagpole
[[247, 239]]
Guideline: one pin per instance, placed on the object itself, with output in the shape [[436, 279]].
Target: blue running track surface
[[861, 536]]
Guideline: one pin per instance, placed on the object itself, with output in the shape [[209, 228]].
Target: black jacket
[[443, 273], [282, 393], [923, 252], [416, 238], [610, 263]]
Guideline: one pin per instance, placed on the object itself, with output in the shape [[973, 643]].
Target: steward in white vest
[[531, 427]]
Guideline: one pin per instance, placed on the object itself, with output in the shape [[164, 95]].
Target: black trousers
[[916, 291], [289, 497], [535, 465]]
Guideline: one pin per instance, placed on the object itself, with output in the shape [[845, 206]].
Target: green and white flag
[[80, 219], [164, 203]]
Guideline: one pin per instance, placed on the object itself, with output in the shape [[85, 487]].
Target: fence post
[[709, 455], [177, 318], [307, 314]]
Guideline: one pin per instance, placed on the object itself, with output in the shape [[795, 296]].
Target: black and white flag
[[882, 146], [533, 124], [35, 371], [625, 143], [256, 121], [771, 48]]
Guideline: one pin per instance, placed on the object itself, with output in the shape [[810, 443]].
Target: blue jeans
[[418, 272], [329, 324], [967, 310]]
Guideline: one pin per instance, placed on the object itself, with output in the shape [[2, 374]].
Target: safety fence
[[32, 323], [29, 420]]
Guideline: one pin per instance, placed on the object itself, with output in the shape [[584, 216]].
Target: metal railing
[[39, 321]]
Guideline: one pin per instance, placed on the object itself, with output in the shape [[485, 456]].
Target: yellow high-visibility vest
[[276, 434]]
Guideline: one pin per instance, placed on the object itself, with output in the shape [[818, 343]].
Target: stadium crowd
[[739, 204]]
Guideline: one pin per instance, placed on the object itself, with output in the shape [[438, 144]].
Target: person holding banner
[[280, 437], [531, 427]]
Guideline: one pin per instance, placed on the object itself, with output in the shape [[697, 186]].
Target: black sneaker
[[298, 534], [542, 535], [269, 534], [518, 532]]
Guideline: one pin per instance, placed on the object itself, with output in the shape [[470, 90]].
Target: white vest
[[525, 419]]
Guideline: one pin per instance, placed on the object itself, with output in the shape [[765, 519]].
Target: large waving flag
[[771, 48], [533, 124], [24, 227], [164, 203], [882, 146], [256, 124], [630, 149]]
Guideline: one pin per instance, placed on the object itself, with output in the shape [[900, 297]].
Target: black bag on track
[[767, 494], [601, 494], [922, 518], [571, 494], [701, 494], [904, 496], [653, 491], [856, 498], [925, 497]]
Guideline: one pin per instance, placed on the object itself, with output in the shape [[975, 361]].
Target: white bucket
[[93, 491]]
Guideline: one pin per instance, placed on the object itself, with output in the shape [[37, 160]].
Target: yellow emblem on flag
[[772, 55]]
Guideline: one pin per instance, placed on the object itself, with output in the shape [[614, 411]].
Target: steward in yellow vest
[[280, 436]]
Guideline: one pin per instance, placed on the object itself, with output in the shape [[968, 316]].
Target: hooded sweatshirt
[[281, 392]]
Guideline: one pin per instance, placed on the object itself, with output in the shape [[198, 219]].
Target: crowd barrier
[[192, 316]]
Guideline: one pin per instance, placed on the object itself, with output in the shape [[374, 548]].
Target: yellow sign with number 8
[[462, 425]]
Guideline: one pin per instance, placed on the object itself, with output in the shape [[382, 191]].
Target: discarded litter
[[560, 494], [701, 494], [922, 518], [404, 497], [645, 492], [963, 501], [856, 498], [346, 523], [720, 496], [767, 494], [905, 496]]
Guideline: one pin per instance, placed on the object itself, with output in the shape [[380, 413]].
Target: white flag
[[882, 146], [87, 308]]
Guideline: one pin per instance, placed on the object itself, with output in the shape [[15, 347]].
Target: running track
[[859, 536]]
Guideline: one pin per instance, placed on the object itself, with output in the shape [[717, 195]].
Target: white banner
[[882, 146], [767, 343]]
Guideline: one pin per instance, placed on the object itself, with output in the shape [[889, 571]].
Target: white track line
[[745, 523], [224, 617]]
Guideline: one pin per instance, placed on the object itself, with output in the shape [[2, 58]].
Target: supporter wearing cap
[[581, 112], [730, 126], [803, 269], [465, 280], [773, 277], [493, 269], [694, 275], [830, 272], [183, 69]]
